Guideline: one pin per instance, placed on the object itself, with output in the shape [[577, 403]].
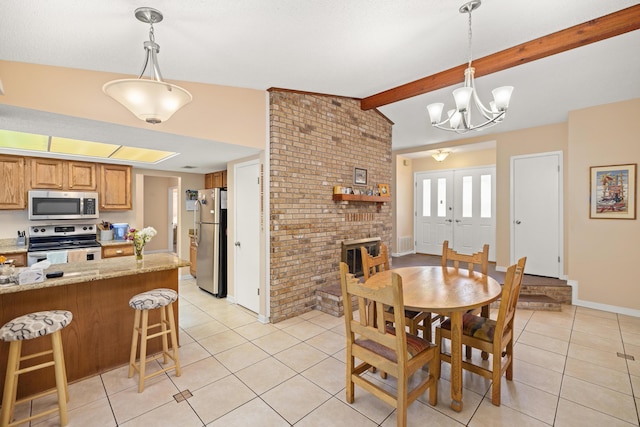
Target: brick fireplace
[[315, 143]]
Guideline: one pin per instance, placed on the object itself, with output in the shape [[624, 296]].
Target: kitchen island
[[97, 293]]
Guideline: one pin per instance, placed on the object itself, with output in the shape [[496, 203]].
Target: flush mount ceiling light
[[459, 120], [152, 100], [440, 155]]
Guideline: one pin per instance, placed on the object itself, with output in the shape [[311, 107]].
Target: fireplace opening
[[351, 253]]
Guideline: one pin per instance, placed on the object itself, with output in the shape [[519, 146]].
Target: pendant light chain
[[470, 36]]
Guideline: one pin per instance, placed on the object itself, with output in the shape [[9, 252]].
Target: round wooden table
[[450, 291]]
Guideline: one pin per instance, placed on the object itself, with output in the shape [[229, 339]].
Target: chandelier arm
[[146, 62], [154, 64], [486, 112], [489, 123]]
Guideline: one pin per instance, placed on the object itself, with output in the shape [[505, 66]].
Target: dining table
[[444, 290]]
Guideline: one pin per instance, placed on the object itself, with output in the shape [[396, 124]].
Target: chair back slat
[[510, 295], [478, 258], [374, 264], [376, 299]]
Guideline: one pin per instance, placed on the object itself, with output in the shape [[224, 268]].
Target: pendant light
[[151, 100], [459, 119]]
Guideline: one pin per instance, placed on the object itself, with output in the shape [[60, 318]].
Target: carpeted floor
[[422, 259]]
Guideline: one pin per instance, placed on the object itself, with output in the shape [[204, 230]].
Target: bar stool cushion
[[154, 298], [34, 325]]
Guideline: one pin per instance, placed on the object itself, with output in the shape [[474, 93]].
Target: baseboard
[[597, 306], [185, 277]]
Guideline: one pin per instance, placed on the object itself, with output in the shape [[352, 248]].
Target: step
[[538, 302]]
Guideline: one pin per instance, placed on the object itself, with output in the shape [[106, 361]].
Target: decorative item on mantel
[[140, 238]]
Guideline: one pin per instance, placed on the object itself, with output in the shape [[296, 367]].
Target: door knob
[[237, 244], [448, 220], [518, 222], [457, 220]]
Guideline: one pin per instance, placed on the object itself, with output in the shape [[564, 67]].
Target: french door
[[458, 206]]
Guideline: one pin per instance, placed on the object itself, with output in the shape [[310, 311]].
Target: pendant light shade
[[152, 100]]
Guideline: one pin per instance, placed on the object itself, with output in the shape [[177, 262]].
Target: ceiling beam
[[614, 24]]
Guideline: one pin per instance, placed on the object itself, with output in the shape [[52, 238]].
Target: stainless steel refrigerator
[[210, 232]]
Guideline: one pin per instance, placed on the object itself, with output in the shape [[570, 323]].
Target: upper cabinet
[[115, 187], [215, 179], [12, 190], [46, 173], [58, 174], [81, 176]]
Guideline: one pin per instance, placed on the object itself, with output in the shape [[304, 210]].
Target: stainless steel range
[[63, 243]]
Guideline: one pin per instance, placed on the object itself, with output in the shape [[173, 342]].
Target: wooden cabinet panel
[[215, 179], [19, 258], [46, 173], [81, 176], [193, 253], [113, 251], [12, 190], [115, 187]]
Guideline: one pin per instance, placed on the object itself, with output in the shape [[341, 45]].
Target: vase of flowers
[[139, 239]]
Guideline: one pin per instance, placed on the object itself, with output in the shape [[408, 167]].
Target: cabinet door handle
[[120, 251]]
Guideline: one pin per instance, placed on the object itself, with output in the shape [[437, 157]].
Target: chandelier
[[459, 119], [152, 100]]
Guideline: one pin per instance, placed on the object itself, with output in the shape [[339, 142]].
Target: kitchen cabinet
[[19, 258], [193, 253], [12, 190], [215, 179], [114, 250], [46, 173], [81, 176], [58, 174], [115, 187]]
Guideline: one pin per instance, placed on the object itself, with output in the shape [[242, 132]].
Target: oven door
[[57, 257]]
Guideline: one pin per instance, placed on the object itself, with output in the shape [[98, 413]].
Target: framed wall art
[[359, 176], [384, 189], [613, 192]]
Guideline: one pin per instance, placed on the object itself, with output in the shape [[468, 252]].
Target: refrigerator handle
[[196, 224]]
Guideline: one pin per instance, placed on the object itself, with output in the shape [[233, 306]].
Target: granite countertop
[[115, 242], [8, 249], [87, 271], [10, 246]]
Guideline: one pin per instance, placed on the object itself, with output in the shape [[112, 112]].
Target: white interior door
[[433, 211], [458, 206], [474, 206], [247, 232], [536, 226]]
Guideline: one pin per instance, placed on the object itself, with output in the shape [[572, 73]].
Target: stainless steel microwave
[[48, 205]]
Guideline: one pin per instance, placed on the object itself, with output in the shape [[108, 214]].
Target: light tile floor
[[244, 373]]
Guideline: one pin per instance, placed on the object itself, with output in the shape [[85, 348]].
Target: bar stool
[[157, 298], [26, 327]]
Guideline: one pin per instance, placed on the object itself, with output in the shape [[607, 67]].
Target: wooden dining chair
[[479, 258], [415, 320], [492, 336], [389, 349]]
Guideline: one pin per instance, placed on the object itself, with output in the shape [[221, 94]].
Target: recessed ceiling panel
[[81, 148], [142, 155], [23, 141]]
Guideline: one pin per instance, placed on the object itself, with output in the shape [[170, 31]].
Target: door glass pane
[[426, 197], [467, 196], [442, 197], [485, 196]]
